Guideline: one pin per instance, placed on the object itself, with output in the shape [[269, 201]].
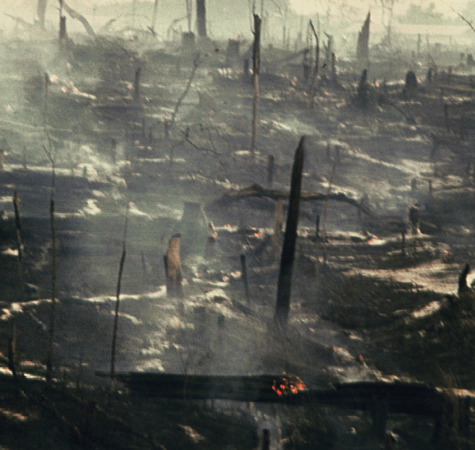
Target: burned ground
[[365, 306]]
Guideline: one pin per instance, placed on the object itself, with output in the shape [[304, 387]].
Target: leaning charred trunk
[[201, 18], [288, 250]]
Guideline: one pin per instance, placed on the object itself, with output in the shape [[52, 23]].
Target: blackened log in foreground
[[255, 190], [400, 398], [284, 284]]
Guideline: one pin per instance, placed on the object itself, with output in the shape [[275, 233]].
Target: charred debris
[[343, 328]]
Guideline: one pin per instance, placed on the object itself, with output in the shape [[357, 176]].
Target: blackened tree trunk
[[41, 12], [362, 50], [288, 250], [201, 18]]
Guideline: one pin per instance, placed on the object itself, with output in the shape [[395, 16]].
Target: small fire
[[258, 234], [288, 386]]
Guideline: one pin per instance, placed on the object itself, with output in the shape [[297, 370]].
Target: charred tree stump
[[255, 81], [410, 88], [414, 217], [362, 49], [63, 35], [173, 268], [201, 18], [244, 279], [278, 222], [288, 251], [246, 68], [334, 77], [270, 170], [211, 241], [137, 85], [363, 90], [265, 439]]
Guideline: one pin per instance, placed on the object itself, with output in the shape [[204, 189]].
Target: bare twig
[[460, 15], [170, 124]]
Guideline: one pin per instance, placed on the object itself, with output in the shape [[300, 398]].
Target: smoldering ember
[[237, 225]]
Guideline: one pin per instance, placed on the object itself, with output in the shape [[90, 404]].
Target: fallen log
[[258, 191], [398, 397]]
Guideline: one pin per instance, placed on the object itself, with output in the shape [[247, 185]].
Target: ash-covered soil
[[366, 306]]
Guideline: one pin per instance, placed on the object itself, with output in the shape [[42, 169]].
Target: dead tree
[[154, 18], [255, 81], [41, 12], [363, 90], [315, 70], [201, 18], [288, 250], [410, 88], [173, 268], [362, 49], [76, 16]]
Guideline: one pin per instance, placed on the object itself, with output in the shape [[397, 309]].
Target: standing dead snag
[[12, 341], [201, 18], [255, 81], [41, 12], [154, 18], [49, 358], [362, 49], [315, 69], [244, 279], [137, 85], [117, 303], [173, 268], [288, 250]]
